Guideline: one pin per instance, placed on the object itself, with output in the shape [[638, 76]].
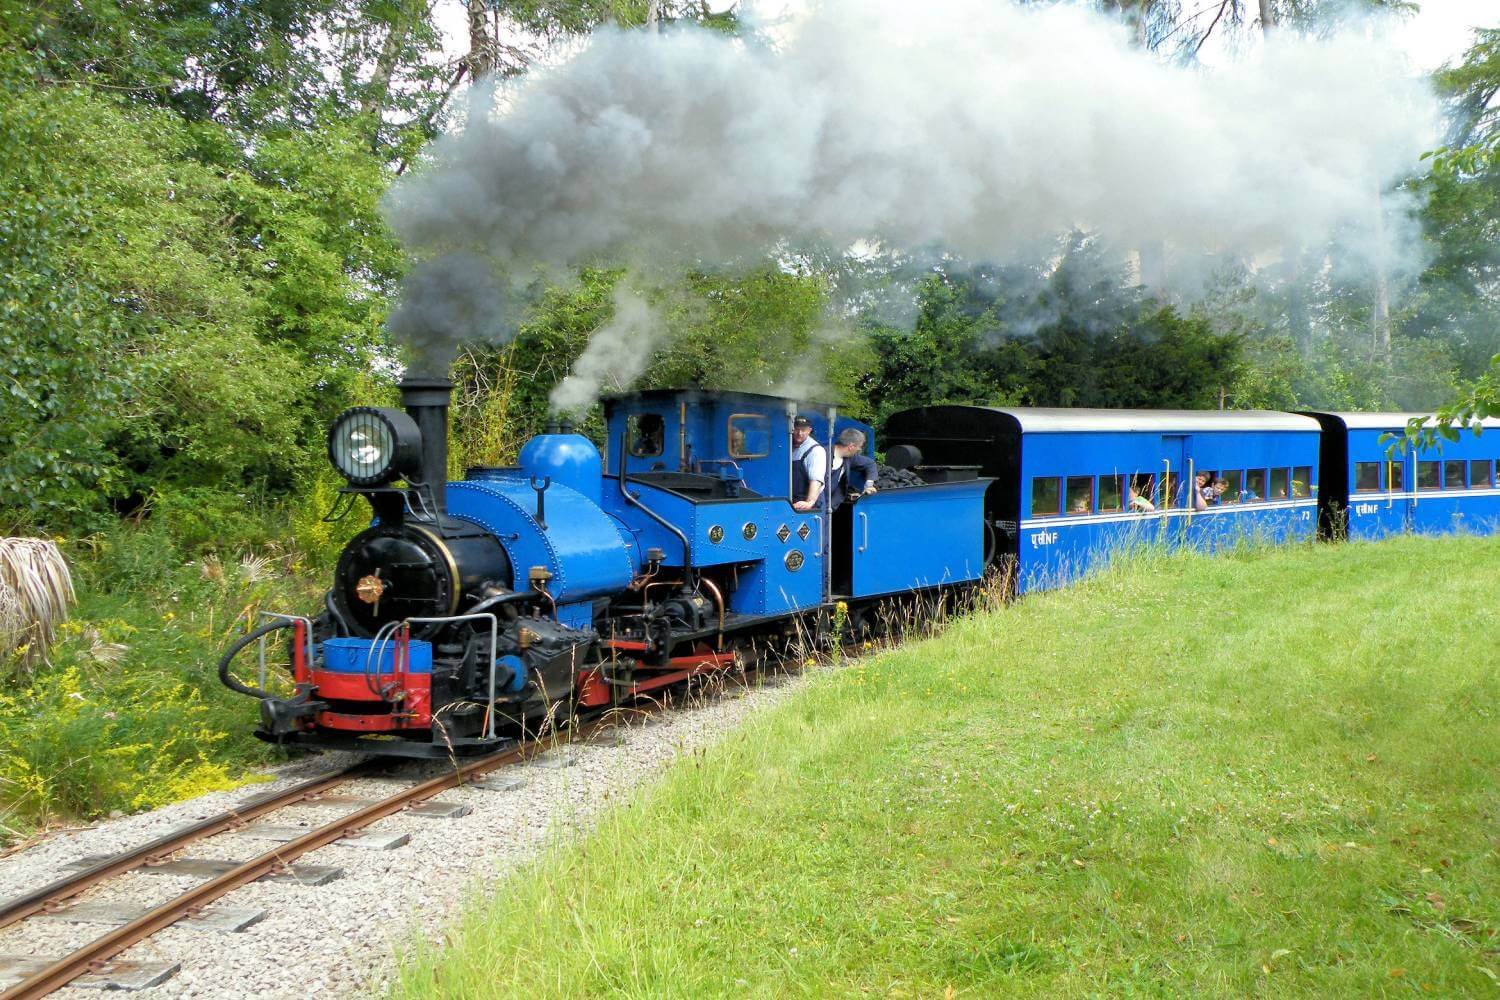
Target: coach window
[[1142, 491], [1428, 476], [1255, 485], [1301, 482], [1080, 498], [1479, 474], [647, 432], [1453, 475], [1396, 479], [1046, 497], [1236, 480], [1367, 477], [749, 435], [1279, 480], [1111, 493]]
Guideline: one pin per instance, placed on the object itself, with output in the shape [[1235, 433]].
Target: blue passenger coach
[[1073, 484], [1371, 491]]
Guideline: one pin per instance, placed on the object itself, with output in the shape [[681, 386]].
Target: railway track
[[96, 956]]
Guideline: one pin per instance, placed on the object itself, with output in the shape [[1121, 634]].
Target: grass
[[1273, 772]]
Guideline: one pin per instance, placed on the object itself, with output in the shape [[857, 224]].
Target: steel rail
[[20, 908], [94, 955]]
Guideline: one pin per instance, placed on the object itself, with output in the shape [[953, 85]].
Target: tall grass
[[1270, 772]]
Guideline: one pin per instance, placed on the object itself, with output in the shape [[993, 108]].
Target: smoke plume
[[617, 352], [977, 128]]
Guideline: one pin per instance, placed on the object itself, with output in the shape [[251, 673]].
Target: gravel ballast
[[341, 938]]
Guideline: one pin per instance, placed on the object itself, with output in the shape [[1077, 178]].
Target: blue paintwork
[[767, 586], [516, 679], [567, 459], [582, 547], [357, 656], [1056, 548], [697, 435], [1408, 507], [919, 537]]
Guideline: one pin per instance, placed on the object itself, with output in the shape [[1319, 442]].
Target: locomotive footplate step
[[118, 974], [224, 919], [370, 840], [430, 809], [214, 867], [507, 783]]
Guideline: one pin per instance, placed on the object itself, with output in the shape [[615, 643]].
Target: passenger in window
[[1216, 490], [809, 466], [1247, 494], [854, 473], [1197, 495]]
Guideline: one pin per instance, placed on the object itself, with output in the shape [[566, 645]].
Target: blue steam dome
[[570, 459]]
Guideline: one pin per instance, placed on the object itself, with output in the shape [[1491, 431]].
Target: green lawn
[[1271, 773]]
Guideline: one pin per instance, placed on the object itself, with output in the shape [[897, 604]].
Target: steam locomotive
[[471, 611]]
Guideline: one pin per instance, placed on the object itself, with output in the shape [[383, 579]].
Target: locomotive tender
[[469, 611]]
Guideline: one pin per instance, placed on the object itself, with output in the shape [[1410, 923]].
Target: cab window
[[1046, 497], [647, 432], [749, 435]]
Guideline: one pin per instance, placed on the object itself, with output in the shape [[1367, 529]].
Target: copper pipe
[[718, 597], [646, 591]]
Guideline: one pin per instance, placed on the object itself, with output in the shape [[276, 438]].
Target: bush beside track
[[1273, 771], [127, 712]]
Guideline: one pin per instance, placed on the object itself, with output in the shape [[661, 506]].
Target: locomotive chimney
[[426, 399]]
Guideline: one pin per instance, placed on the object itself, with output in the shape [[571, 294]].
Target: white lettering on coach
[[1040, 538], [1366, 508]]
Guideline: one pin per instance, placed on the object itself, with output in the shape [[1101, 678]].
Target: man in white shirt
[[809, 466]]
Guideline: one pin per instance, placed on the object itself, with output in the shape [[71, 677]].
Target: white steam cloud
[[616, 354], [973, 127]]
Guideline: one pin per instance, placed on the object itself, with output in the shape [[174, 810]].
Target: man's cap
[[801, 421]]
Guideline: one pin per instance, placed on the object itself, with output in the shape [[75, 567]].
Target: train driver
[[854, 473], [809, 466]]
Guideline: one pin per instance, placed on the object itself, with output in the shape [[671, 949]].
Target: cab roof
[[763, 400]]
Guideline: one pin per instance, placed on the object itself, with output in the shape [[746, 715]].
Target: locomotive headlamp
[[372, 445]]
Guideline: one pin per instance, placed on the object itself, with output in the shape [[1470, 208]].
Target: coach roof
[[1387, 421], [1052, 420]]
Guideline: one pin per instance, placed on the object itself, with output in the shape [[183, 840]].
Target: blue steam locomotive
[[578, 579]]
